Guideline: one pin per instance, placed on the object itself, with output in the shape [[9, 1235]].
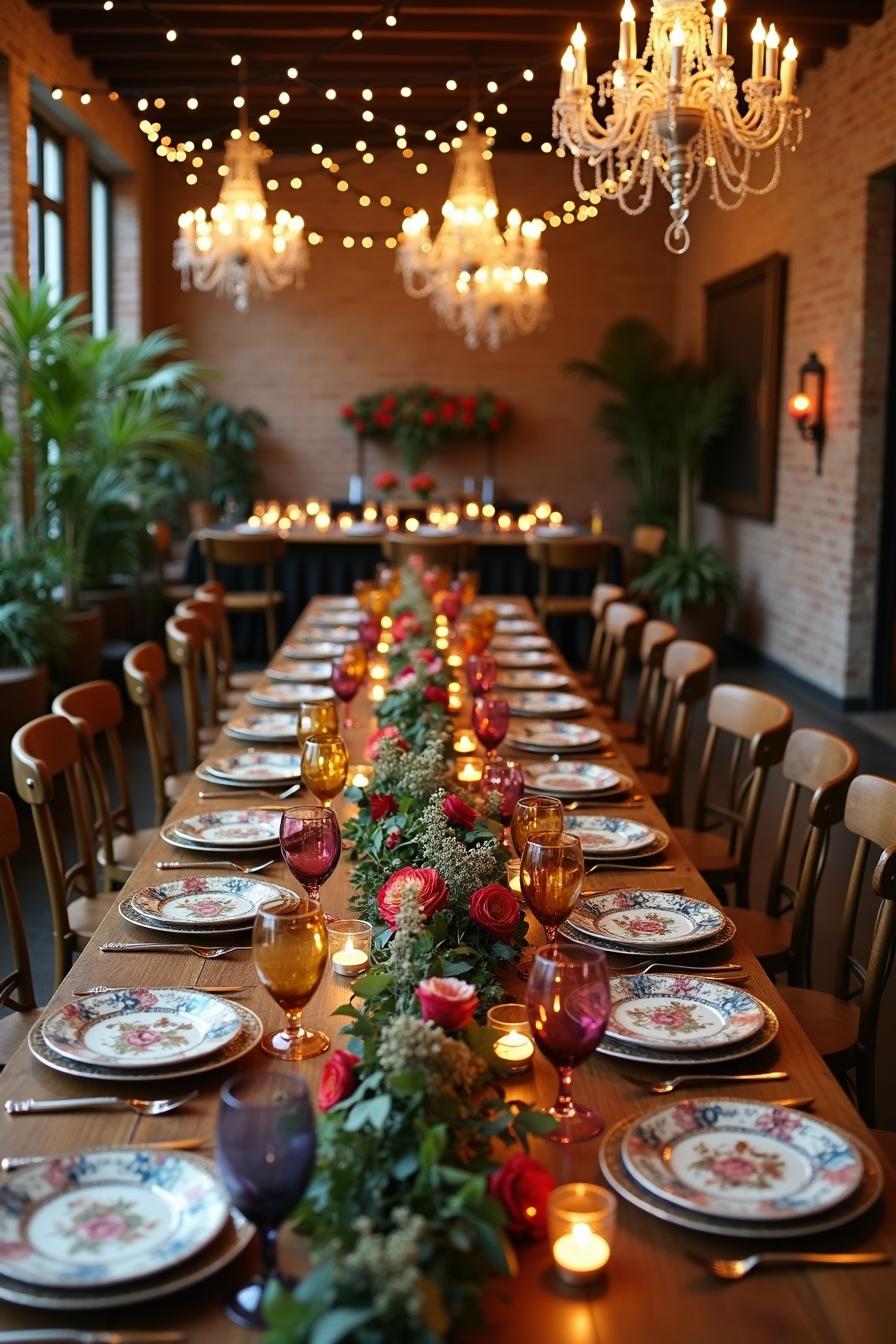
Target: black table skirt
[[311, 569]]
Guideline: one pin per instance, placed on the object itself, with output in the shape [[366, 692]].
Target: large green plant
[[30, 629], [230, 473]]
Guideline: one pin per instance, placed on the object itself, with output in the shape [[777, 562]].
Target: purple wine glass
[[568, 998], [504, 778], [482, 673], [491, 719], [311, 843], [264, 1148], [346, 685]]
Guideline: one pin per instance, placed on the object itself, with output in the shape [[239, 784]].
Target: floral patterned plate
[[124, 1028], [622, 1181], [573, 779], [611, 835], [261, 727], [236, 829], [524, 658], [519, 642], [279, 693], [692, 1055], [336, 634], [107, 1216], [210, 902], [525, 680], [647, 919], [253, 767], [742, 1159], [538, 704], [711, 944], [348, 616], [300, 671], [556, 735], [316, 649], [515, 626], [667, 1012]]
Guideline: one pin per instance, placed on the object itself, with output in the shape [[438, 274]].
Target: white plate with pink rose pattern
[[742, 1159], [294, 670], [278, 694], [107, 1216], [253, 767], [124, 1028], [669, 1012], [240, 828], [648, 919], [211, 901]]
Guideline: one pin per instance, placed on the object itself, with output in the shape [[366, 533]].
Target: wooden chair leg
[[271, 627]]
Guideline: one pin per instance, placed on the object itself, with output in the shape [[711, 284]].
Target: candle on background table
[[581, 1227]]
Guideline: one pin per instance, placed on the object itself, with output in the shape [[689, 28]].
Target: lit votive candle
[[455, 702], [581, 1226], [469, 770], [350, 945], [513, 877], [359, 776], [345, 521], [377, 692], [514, 1047], [455, 660], [464, 742]]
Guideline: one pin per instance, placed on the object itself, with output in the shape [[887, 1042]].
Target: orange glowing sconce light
[[806, 407]]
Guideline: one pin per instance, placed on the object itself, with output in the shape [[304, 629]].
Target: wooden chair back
[[687, 673], [186, 638], [43, 751], [647, 542], [221, 548], [656, 636], [16, 988], [758, 726], [145, 673], [447, 551], [599, 657], [550, 556], [96, 709], [209, 616], [624, 623], [214, 591]]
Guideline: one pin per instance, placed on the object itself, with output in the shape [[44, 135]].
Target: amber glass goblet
[[289, 947], [354, 660], [324, 766], [362, 589], [532, 814], [552, 870], [317, 716]]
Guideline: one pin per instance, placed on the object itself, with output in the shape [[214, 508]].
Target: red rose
[[496, 909], [393, 838], [447, 1001], [458, 812], [495, 424], [422, 482], [435, 694], [428, 418], [382, 805], [371, 751], [360, 426], [424, 883], [467, 403], [522, 1187], [386, 480], [449, 410], [450, 606], [500, 407], [348, 412], [467, 419], [389, 402], [338, 1079]]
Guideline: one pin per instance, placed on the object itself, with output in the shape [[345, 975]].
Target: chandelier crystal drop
[[674, 112], [233, 249], [482, 282]]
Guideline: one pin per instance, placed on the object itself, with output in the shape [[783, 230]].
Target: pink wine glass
[[346, 685], [311, 843], [491, 719], [504, 778], [482, 672], [568, 998]]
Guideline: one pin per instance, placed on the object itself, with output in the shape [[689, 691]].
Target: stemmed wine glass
[[482, 673], [491, 719], [535, 812], [568, 998], [264, 1150], [552, 870], [346, 684], [289, 948], [324, 765], [316, 716], [504, 778], [311, 843]]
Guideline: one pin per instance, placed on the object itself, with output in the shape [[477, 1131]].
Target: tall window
[[46, 207], [100, 254]]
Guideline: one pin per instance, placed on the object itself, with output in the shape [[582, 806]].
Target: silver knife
[[92, 1337]]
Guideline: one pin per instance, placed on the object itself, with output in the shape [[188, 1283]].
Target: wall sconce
[[806, 407]]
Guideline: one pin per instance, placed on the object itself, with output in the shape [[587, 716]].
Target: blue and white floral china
[[212, 901], [556, 735], [647, 919], [261, 726], [310, 636], [748, 1160], [519, 642], [524, 679], [670, 1059], [514, 625], [671, 1012], [295, 670], [253, 767], [524, 658], [611, 835], [312, 647], [541, 704], [348, 616], [107, 1216], [238, 828], [128, 1028], [279, 693], [574, 779]]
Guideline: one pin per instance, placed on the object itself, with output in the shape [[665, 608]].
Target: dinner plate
[[622, 1181], [539, 704], [235, 1236], [294, 670], [257, 726], [505, 609], [170, 837], [129, 912], [250, 1034], [337, 601], [240, 828], [210, 901], [671, 1012], [433, 530], [712, 944], [556, 735], [253, 767], [130, 1028], [348, 620], [524, 679], [572, 779], [647, 919], [365, 529], [616, 836], [748, 1160], [308, 634], [555, 530], [107, 1216], [514, 625], [524, 658], [293, 694], [673, 1059], [520, 642], [311, 647]]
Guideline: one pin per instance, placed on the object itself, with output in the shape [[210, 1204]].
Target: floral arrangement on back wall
[[420, 419]]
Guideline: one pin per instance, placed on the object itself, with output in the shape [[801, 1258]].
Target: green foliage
[[229, 472], [420, 419], [687, 576], [30, 629]]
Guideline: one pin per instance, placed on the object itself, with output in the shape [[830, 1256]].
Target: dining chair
[[145, 674], [214, 591], [207, 614], [686, 677], [96, 710], [756, 724], [17, 987], [602, 595], [647, 544], [624, 623], [843, 1025], [44, 752], [244, 552], [186, 638], [159, 533], [656, 636], [452, 552], [564, 557]]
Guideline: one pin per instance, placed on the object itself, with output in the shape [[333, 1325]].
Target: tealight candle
[[455, 703], [360, 776], [377, 692], [455, 660], [513, 877], [469, 770], [464, 742], [514, 1047], [350, 945], [345, 521], [581, 1225], [455, 686]]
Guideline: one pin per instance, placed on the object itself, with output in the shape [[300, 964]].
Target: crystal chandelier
[[673, 113], [233, 249], [488, 284]]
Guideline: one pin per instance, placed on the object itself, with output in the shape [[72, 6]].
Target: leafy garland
[[409, 1212], [420, 419]]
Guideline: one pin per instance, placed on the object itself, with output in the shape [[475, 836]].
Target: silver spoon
[[161, 1145], [31, 1107], [739, 1269]]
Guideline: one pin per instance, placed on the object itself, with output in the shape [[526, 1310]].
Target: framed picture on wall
[[744, 337]]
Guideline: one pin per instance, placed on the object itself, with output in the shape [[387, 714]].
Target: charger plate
[[573, 779], [129, 912], [556, 735], [539, 704], [252, 767], [724, 935], [137, 1028], [612, 837], [531, 679], [170, 836], [678, 1011]]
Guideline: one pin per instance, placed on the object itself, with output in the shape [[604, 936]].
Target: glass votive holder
[[515, 1047], [581, 1227], [455, 702], [513, 878], [470, 770], [455, 660], [350, 945], [377, 693], [360, 775], [465, 742]]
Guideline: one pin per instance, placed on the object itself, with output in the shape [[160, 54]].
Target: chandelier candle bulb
[[581, 1227], [578, 46], [676, 52], [758, 39], [719, 29], [788, 69], [567, 70], [628, 40], [772, 52]]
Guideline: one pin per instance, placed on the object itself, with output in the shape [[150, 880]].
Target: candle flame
[[772, 38], [628, 12], [790, 51], [568, 60], [581, 1233], [578, 37], [719, 9], [676, 37], [758, 33]]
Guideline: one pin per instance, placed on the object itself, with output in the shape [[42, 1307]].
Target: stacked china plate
[[300, 670], [530, 679], [310, 632], [575, 779], [515, 625], [546, 704], [740, 1168], [524, 658], [555, 735], [311, 648], [246, 769], [218, 903], [519, 642], [238, 830], [287, 694], [651, 925], [616, 839], [348, 618], [110, 1227], [262, 726]]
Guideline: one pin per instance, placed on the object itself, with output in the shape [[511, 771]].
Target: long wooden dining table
[[658, 1289]]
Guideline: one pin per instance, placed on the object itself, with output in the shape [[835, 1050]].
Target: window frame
[[96, 176], [45, 204]]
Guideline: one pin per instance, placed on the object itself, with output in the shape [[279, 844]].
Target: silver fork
[[633, 800], [739, 1269], [31, 1107], [206, 953], [682, 1079], [171, 865], [257, 793], [630, 868], [662, 966]]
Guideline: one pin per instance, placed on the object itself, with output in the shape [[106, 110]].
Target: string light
[[57, 94], [192, 104], [171, 34]]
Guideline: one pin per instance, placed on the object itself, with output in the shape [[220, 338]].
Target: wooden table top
[[655, 1292], [494, 536]]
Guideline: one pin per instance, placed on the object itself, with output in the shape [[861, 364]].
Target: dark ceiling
[[429, 44]]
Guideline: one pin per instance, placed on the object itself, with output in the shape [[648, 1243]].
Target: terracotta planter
[[202, 513], [702, 623], [82, 659], [23, 696]]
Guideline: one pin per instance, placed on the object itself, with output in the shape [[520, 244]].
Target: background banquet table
[[656, 1291]]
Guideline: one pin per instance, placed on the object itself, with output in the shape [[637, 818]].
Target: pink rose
[[496, 909], [416, 562], [141, 1037], [423, 883], [447, 1001], [522, 1187], [338, 1080], [734, 1169], [372, 750], [403, 679], [668, 1017], [105, 1227], [458, 812]]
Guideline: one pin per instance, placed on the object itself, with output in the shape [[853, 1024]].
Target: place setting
[[657, 925], [524, 658], [277, 694], [309, 648], [556, 736], [530, 679], [520, 643], [544, 704], [205, 903], [616, 840], [244, 769], [237, 830], [261, 727], [299, 670], [577, 780]]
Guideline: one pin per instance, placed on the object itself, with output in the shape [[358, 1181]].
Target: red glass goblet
[[346, 683], [311, 843], [504, 778], [491, 719], [482, 673]]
